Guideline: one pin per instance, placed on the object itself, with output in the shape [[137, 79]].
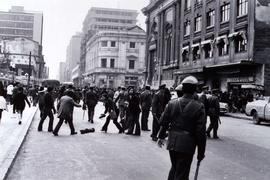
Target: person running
[[19, 103], [113, 114], [65, 109]]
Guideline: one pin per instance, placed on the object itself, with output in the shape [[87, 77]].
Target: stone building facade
[[115, 58], [224, 43]]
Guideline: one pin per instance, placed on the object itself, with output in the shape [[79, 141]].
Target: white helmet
[[190, 80]]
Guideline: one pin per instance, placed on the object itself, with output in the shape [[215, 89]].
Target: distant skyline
[[63, 18]]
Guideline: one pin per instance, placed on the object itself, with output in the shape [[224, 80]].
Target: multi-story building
[[116, 58], [20, 23], [224, 43], [73, 54], [62, 72], [17, 52], [104, 19]]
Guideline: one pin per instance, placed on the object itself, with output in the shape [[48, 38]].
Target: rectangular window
[[196, 53], [242, 7], [223, 48], [113, 44], [240, 44], [132, 45], [112, 63], [207, 51], [187, 28], [198, 2], [225, 13], [198, 23], [210, 18], [131, 64], [104, 43], [103, 62], [187, 4]]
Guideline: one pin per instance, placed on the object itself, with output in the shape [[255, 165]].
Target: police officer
[[159, 103], [91, 100], [185, 119], [213, 112], [145, 101]]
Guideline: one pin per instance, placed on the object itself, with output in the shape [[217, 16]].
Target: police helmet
[[179, 87], [190, 80]]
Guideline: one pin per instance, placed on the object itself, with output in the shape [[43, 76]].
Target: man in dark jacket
[[47, 110], [185, 119], [145, 100], [65, 109], [213, 112], [159, 103], [91, 100]]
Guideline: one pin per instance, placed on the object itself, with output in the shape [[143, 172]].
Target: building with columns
[[224, 43], [115, 58]]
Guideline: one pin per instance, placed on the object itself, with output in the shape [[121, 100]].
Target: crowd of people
[[181, 120]]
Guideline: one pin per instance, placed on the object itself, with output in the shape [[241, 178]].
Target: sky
[[63, 18]]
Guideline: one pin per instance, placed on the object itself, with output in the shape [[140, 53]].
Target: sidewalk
[[239, 116], [12, 136]]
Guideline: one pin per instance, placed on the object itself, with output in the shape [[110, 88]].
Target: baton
[[83, 115], [197, 170]]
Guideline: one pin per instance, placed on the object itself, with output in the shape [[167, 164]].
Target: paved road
[[242, 153]]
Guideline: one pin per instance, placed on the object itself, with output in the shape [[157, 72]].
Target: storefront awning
[[185, 49], [222, 38], [252, 86]]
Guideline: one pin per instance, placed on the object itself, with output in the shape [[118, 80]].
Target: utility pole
[[29, 70]]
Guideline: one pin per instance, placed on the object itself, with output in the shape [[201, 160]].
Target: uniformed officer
[[185, 119], [213, 112], [91, 100], [159, 103]]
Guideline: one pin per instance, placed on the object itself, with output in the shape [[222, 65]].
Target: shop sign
[[241, 79]]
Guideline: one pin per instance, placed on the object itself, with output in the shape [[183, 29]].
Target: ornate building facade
[[224, 43]]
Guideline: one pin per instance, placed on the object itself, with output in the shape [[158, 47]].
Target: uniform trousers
[[44, 115], [144, 118], [181, 163], [213, 125], [155, 126]]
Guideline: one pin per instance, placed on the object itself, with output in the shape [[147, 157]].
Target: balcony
[[135, 50]]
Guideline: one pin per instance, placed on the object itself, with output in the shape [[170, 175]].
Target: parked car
[[224, 108], [259, 110]]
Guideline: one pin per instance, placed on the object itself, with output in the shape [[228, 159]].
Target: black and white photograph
[[134, 89]]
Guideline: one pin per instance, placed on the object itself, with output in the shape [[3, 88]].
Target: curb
[[239, 117], [14, 150]]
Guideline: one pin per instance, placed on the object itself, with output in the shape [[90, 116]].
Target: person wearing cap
[[159, 103], [185, 120], [90, 100], [145, 102], [213, 112]]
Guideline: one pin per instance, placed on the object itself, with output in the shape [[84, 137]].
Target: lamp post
[[29, 70]]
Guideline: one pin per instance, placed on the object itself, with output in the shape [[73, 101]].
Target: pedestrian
[[120, 101], [48, 110], [203, 98], [9, 93], [91, 100], [133, 113], [3, 103], [159, 103], [185, 120], [19, 103], [41, 94], [145, 101], [110, 106], [65, 109], [213, 112]]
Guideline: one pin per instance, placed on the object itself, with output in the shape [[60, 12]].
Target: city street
[[241, 153]]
